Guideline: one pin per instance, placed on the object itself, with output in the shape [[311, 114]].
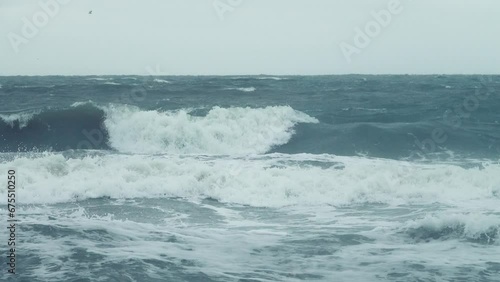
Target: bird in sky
[[90, 12]]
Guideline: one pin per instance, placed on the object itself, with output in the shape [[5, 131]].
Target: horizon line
[[221, 75]]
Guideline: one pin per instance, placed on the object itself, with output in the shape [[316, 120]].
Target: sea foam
[[20, 119], [221, 131], [274, 180]]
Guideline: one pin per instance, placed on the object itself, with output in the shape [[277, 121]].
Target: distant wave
[[242, 89], [33, 86], [99, 78], [270, 78], [161, 80]]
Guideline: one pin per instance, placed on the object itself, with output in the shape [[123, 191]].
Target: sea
[[251, 178]]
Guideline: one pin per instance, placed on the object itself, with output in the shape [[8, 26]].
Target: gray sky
[[249, 37]]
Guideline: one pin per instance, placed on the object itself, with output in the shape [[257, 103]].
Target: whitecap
[[221, 131], [22, 119], [275, 180], [161, 80], [242, 89]]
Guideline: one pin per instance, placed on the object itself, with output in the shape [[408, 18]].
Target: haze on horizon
[[232, 37]]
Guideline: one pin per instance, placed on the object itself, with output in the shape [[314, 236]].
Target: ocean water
[[253, 178]]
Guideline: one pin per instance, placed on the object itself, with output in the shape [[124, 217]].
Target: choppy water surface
[[260, 178]]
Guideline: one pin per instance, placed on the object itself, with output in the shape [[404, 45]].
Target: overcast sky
[[249, 37]]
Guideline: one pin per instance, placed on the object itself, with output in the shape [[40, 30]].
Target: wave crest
[[483, 229], [19, 120], [221, 131], [243, 89]]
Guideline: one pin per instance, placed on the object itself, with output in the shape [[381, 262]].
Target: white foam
[[221, 131], [78, 104], [161, 80], [98, 78], [469, 226], [22, 118], [213, 248], [269, 181], [242, 89], [33, 86], [270, 78]]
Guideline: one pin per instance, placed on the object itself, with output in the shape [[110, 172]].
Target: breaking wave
[[471, 227], [221, 131], [132, 130], [272, 180]]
